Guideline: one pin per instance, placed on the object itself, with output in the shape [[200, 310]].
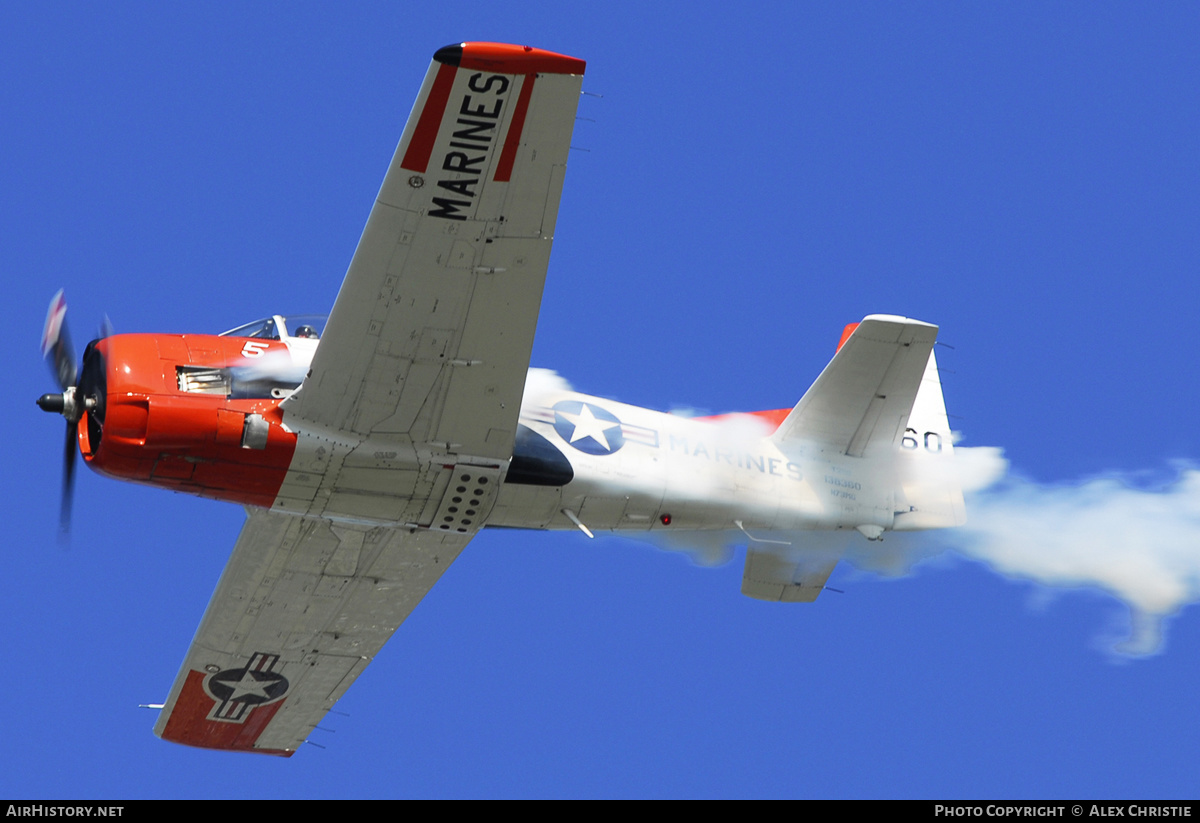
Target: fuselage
[[202, 414], [636, 469]]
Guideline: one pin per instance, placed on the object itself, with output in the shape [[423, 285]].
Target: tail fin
[[860, 403], [929, 495], [881, 397]]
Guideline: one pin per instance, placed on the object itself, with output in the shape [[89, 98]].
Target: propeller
[[80, 392]]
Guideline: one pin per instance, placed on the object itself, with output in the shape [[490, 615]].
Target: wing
[[430, 337], [861, 402], [420, 371], [301, 609]]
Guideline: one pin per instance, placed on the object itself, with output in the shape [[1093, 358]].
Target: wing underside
[[301, 609], [430, 336], [417, 381]]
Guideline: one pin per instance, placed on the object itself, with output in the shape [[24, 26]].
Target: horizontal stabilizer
[[768, 576]]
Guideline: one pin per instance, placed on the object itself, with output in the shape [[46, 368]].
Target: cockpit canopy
[[278, 327]]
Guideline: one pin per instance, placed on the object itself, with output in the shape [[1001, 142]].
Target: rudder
[[929, 493]]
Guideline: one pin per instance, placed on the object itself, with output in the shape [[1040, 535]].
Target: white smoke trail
[[1139, 545], [542, 382], [277, 365]]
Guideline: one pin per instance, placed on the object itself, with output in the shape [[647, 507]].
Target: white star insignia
[[248, 685], [588, 425]]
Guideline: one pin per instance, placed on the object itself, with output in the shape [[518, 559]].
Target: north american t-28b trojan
[[370, 448]]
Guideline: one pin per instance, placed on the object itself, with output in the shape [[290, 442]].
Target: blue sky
[[1026, 175]]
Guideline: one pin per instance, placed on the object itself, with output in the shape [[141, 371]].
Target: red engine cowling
[[170, 413]]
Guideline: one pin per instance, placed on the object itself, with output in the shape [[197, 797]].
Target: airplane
[[370, 447]]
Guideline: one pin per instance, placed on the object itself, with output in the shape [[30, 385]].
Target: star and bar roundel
[[588, 427], [237, 691]]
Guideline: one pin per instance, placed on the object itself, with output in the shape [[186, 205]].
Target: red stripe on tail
[[846, 332]]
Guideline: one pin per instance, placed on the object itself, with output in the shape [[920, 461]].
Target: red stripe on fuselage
[[773, 417]]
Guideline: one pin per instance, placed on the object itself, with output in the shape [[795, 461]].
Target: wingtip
[[450, 55], [506, 58]]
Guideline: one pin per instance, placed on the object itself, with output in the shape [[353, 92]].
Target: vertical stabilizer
[[929, 495]]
